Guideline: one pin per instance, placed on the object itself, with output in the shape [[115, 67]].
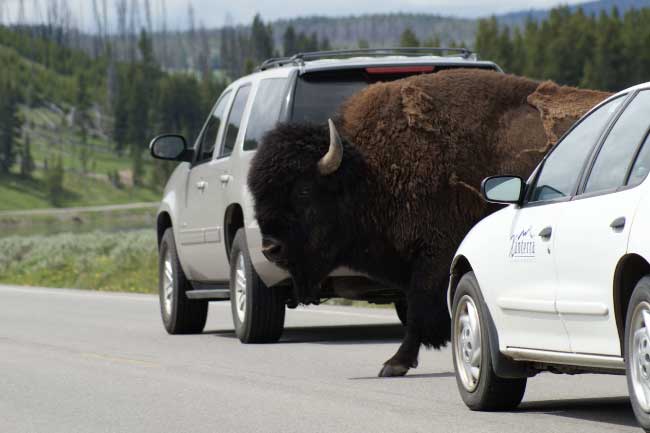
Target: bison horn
[[331, 162]]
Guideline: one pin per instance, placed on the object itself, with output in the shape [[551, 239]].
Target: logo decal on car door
[[522, 244]]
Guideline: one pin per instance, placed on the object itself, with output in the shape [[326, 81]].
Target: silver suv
[[209, 240]]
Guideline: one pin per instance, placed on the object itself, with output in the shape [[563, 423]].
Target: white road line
[[89, 294]]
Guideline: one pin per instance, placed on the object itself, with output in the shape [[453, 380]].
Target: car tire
[[180, 315], [480, 388], [401, 308], [257, 311], [637, 351]]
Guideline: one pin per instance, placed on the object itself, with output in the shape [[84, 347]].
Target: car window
[[234, 120], [265, 111], [561, 170], [209, 137], [618, 150], [641, 166]]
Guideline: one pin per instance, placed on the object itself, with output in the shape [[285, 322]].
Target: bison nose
[[272, 249]]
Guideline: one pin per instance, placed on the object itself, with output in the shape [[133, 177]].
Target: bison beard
[[398, 200]]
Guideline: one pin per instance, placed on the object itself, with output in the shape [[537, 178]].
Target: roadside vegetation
[[96, 261]]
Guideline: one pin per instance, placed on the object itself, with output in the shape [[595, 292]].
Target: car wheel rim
[[168, 284], [240, 288], [640, 354], [467, 339]]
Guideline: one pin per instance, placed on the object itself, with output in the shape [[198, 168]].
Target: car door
[[526, 299], [593, 233], [201, 228]]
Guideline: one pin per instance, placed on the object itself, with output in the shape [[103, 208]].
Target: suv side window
[[561, 170], [265, 111], [209, 137], [234, 120], [616, 154]]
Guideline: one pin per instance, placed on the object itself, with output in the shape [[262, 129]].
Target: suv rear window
[[319, 94]]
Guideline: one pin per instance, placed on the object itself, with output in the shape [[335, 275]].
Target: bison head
[[303, 182]]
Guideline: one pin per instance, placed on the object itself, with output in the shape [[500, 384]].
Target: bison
[[395, 192]]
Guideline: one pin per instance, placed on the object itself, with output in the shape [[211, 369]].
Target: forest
[[78, 109]]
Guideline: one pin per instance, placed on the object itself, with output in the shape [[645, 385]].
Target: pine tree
[[54, 177], [261, 40], [289, 41], [408, 39], [10, 125], [27, 164]]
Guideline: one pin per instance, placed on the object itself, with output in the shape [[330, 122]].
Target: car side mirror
[[503, 189], [170, 147]]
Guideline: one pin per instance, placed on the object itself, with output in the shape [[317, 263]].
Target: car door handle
[[201, 185], [546, 232], [618, 223], [225, 178]]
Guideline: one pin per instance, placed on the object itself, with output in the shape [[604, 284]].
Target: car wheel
[[401, 308], [257, 310], [637, 351], [180, 315], [480, 388]]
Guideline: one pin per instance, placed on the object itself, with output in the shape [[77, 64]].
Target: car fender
[[477, 253]]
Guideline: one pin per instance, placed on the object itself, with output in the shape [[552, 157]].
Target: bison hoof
[[395, 369]]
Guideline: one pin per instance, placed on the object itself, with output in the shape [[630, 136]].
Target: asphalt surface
[[73, 361]]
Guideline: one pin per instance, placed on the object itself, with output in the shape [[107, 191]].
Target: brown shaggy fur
[[406, 193]]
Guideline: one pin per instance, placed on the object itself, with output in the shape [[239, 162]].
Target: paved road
[[87, 362]]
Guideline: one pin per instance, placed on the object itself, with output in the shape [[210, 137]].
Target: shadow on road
[[409, 376], [612, 410], [344, 334]]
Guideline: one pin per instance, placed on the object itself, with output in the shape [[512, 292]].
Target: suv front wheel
[[180, 315], [257, 310]]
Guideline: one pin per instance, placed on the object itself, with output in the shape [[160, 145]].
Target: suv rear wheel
[[180, 315], [480, 388], [257, 310]]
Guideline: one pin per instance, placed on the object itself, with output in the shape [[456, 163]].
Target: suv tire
[[480, 388], [180, 315], [257, 311], [637, 351]]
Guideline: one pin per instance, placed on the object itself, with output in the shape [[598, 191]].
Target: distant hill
[[590, 8], [380, 30]]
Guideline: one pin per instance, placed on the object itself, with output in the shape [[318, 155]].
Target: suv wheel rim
[[240, 288], [168, 284], [640, 354], [467, 336]]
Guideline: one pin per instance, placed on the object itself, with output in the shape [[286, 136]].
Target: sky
[[214, 13]]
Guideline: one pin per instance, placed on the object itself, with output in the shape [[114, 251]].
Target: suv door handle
[[618, 223], [546, 232], [225, 178], [201, 185]]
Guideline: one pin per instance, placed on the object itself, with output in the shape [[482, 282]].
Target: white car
[[209, 240], [559, 280]]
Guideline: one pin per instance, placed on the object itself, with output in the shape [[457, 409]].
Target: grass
[[19, 193], [113, 221], [96, 261], [51, 137]]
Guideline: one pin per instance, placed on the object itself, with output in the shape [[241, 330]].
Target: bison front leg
[[428, 321]]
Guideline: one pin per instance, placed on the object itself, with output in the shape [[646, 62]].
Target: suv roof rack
[[300, 58]]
